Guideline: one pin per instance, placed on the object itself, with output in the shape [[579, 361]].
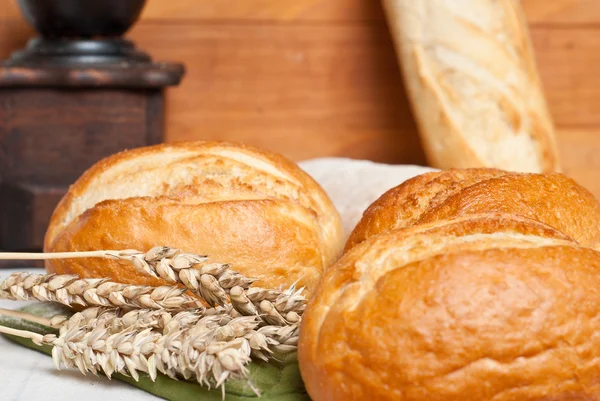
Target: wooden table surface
[[311, 78]]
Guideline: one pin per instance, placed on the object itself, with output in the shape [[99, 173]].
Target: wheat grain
[[217, 284], [212, 282], [141, 331], [208, 348], [71, 290]]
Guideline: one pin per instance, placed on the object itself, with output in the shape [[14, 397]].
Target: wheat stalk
[[56, 321], [71, 290], [209, 348]]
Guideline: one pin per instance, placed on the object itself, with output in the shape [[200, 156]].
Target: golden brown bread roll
[[240, 205], [553, 199], [462, 285], [467, 309]]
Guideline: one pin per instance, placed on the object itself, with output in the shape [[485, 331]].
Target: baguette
[[472, 81]]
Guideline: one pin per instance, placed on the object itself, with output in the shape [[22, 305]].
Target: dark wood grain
[[50, 136], [120, 76], [25, 210], [155, 116]]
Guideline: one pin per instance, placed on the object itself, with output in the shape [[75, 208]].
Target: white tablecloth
[[27, 375]]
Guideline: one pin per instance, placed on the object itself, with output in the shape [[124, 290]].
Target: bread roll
[[552, 199], [464, 309], [471, 77], [462, 285], [250, 208]]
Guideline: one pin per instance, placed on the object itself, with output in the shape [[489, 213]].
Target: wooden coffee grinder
[[77, 93]]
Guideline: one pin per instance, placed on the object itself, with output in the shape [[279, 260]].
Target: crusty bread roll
[[446, 294], [250, 208], [427, 316], [553, 199], [471, 77]]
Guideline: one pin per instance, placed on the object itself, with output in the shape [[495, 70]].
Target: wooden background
[[311, 78]]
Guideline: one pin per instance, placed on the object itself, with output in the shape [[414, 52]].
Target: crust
[[265, 238], [402, 205], [537, 342], [432, 314], [552, 199]]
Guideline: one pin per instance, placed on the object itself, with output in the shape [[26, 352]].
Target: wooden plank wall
[[311, 78]]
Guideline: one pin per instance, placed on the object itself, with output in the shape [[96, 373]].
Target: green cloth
[[279, 381]]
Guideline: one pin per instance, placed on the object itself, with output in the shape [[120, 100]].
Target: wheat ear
[[210, 349], [216, 283], [71, 290]]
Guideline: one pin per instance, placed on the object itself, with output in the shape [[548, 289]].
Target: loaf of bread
[[452, 296], [470, 73], [239, 205]]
